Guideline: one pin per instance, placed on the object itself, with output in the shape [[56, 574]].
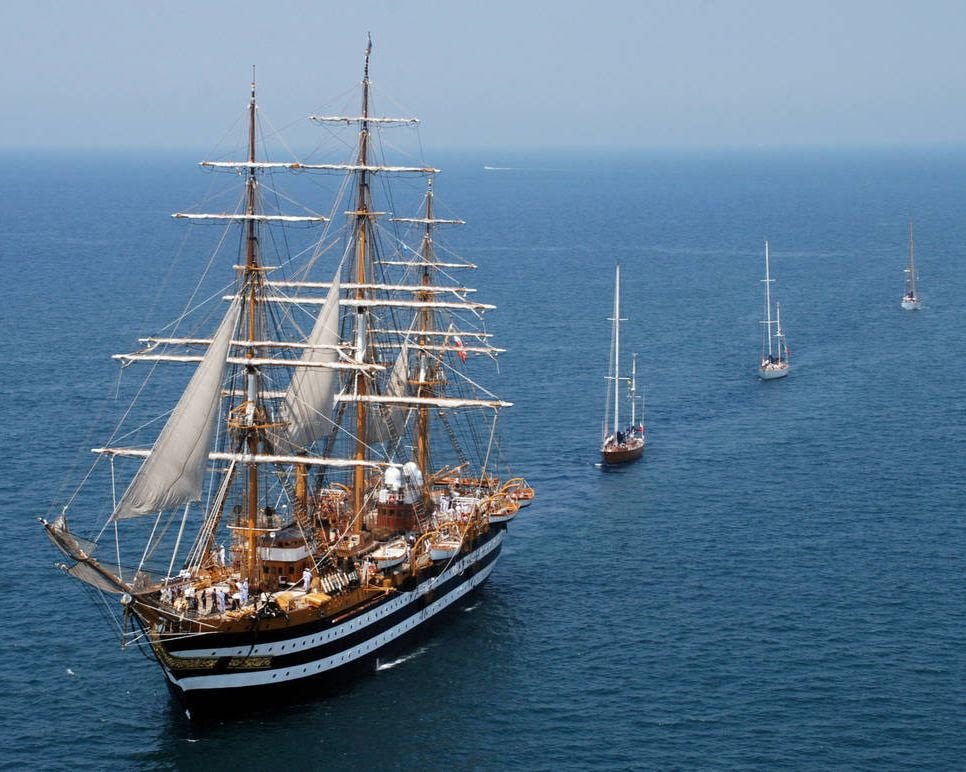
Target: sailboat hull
[[772, 371], [910, 305], [229, 672], [612, 455]]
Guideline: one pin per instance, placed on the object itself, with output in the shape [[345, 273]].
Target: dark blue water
[[778, 583]]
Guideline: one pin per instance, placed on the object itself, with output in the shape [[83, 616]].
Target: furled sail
[[174, 472], [308, 401]]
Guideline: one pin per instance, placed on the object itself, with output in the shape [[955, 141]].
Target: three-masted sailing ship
[[330, 479], [620, 443]]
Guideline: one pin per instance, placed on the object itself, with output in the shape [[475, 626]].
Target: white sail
[[422, 263], [297, 364], [250, 458], [376, 303], [250, 217], [417, 288], [414, 401], [174, 472], [308, 403], [360, 119], [389, 420]]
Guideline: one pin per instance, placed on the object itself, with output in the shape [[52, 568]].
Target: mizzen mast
[[428, 373], [427, 369]]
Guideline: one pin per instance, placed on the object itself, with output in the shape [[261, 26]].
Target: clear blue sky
[[492, 73]]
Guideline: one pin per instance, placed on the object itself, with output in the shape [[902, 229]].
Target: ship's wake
[[405, 658]]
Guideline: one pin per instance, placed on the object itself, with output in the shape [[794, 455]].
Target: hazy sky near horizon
[[492, 73]]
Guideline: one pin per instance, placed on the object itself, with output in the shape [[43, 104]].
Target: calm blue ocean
[[779, 583]]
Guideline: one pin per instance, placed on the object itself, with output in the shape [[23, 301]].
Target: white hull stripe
[[346, 656]]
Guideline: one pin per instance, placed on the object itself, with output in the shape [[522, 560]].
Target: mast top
[[368, 52]]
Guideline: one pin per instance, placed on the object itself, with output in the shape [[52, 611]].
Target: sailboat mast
[[913, 289], [617, 348], [633, 390], [767, 299], [251, 282], [425, 377], [362, 224], [779, 337]]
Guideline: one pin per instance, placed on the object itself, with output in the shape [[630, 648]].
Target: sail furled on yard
[[308, 400], [174, 472]]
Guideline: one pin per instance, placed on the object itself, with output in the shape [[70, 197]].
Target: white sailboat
[[774, 357], [620, 444], [910, 298]]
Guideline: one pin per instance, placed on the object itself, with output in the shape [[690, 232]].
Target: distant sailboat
[[774, 356], [620, 445], [911, 300]]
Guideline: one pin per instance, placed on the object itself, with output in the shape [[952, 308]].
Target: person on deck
[[307, 580]]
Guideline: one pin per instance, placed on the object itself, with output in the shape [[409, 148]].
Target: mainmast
[[362, 215], [767, 299], [250, 281], [617, 349]]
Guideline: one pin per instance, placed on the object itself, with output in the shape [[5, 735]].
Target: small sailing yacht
[[620, 445], [774, 357], [910, 299]]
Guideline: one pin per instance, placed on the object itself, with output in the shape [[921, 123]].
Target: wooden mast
[[617, 349], [251, 278], [362, 225], [425, 381]]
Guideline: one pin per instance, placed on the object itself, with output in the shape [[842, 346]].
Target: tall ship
[[330, 480], [621, 443]]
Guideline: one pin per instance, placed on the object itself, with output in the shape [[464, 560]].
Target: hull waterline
[[621, 455], [773, 373], [232, 673]]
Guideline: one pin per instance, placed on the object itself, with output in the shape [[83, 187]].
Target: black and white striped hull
[[218, 669]]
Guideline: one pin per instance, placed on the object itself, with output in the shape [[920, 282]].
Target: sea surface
[[778, 584]]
